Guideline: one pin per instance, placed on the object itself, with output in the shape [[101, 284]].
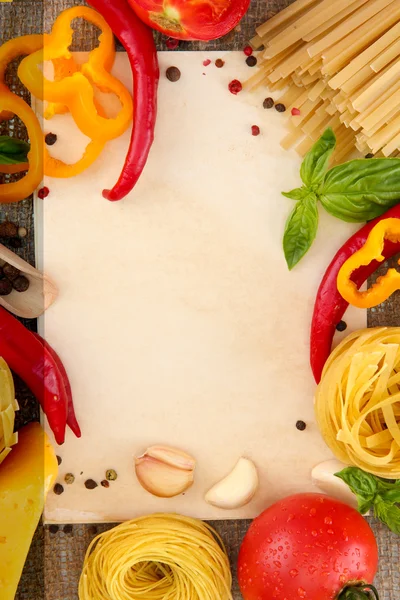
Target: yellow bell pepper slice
[[385, 286], [26, 476], [19, 190], [9, 51], [76, 91]]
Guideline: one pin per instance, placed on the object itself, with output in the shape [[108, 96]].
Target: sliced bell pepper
[[9, 51], [13, 169], [386, 285], [19, 190], [76, 91], [330, 306]]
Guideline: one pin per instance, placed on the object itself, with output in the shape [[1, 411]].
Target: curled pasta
[[157, 557], [357, 403]]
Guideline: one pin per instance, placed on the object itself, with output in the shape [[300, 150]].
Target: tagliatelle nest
[[357, 403]]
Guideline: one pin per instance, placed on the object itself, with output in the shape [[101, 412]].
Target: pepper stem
[[359, 592]]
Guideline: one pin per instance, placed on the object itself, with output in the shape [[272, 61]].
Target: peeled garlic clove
[[165, 472], [237, 488], [323, 476]]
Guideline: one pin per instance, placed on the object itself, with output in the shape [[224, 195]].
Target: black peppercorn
[[5, 287], [280, 107], [369, 155], [341, 326], [10, 272], [50, 139], [173, 74], [219, 63], [15, 242], [68, 529], [300, 425], [20, 283], [251, 61], [268, 103], [90, 484], [54, 528], [59, 460], [105, 483], [58, 489]]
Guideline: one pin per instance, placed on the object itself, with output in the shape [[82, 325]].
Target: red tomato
[[191, 19], [307, 546]]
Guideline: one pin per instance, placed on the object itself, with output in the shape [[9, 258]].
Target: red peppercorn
[[235, 86], [206, 62], [255, 130], [43, 193], [296, 112], [248, 50], [172, 44]]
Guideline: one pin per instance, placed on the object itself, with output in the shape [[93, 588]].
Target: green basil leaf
[[300, 230], [362, 484], [297, 193], [315, 163], [13, 151], [360, 190], [388, 514], [391, 496]]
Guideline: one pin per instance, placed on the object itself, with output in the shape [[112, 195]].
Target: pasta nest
[[157, 557], [357, 403]]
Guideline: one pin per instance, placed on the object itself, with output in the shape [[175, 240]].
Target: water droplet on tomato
[[313, 512], [277, 564], [312, 569], [358, 566], [314, 533], [328, 520], [280, 548], [285, 556], [357, 552], [330, 531], [269, 540], [301, 593], [293, 573], [295, 553]]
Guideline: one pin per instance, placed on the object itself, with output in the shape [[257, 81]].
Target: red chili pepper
[[138, 42], [31, 361], [329, 305], [72, 421]]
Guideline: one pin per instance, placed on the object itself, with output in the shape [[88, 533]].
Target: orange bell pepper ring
[[11, 50], [76, 91], [385, 286], [19, 190]]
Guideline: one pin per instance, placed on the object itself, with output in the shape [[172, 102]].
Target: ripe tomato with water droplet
[[320, 575]]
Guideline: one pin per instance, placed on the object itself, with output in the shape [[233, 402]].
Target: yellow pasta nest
[[157, 557], [357, 403]]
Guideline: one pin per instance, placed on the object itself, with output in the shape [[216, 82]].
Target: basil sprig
[[375, 493], [355, 191], [13, 151]]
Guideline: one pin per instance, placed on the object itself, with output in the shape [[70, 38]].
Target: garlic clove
[[323, 476], [165, 472], [172, 456], [237, 488]]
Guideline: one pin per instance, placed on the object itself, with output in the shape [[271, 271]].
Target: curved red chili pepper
[[329, 305], [31, 361], [72, 421], [138, 42]]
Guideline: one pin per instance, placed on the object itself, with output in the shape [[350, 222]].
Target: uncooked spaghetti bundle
[[339, 63], [157, 557], [357, 402]]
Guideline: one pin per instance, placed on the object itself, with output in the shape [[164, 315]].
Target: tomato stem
[[359, 592]]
